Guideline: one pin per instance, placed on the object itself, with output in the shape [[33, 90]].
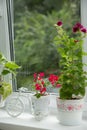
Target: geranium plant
[[70, 48], [40, 84]]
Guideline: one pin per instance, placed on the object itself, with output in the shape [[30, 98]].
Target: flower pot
[[70, 111], [40, 106]]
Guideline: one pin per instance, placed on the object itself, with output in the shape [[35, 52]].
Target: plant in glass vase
[[72, 75], [40, 84], [40, 99]]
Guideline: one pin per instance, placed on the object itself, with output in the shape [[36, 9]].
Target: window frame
[[4, 33], [84, 22]]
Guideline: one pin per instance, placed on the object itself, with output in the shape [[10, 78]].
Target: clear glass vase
[[40, 106]]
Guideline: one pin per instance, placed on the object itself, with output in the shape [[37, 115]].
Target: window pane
[[34, 32]]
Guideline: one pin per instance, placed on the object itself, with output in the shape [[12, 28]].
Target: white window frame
[[7, 35], [84, 22], [4, 34]]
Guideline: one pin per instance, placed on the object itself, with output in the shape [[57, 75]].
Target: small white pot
[[70, 111], [40, 106]]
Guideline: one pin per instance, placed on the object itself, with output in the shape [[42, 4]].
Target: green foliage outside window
[[34, 33]]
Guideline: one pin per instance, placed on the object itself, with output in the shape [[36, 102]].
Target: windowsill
[[26, 121]]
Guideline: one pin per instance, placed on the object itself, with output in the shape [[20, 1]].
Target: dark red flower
[[77, 27], [84, 30], [59, 23]]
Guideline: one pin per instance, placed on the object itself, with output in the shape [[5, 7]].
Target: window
[[34, 33], [28, 35]]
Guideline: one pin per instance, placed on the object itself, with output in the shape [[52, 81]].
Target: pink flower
[[59, 23]]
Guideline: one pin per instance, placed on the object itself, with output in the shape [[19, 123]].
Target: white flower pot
[[70, 111], [40, 106]]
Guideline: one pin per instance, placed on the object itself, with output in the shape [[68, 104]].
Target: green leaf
[[11, 65], [5, 72], [38, 95], [2, 58], [5, 89]]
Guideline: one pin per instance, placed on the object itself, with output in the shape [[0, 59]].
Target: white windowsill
[[27, 122]]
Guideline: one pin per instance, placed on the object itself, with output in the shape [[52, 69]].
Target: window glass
[[34, 33]]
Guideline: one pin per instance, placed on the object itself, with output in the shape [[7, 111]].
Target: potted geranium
[[72, 75], [40, 98], [6, 67]]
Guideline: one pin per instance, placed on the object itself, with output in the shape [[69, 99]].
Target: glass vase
[[40, 106]]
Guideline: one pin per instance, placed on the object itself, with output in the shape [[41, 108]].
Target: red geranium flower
[[43, 90], [53, 80], [41, 74], [37, 86]]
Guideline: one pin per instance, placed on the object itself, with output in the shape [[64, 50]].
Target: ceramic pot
[[70, 111], [40, 106]]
